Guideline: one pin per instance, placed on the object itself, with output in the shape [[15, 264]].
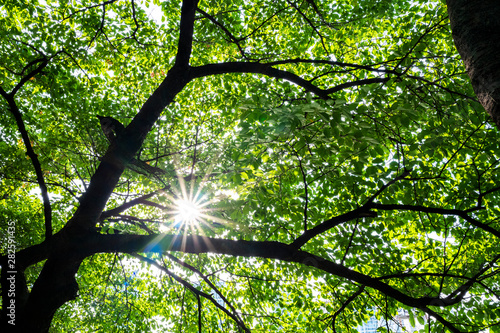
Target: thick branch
[[329, 224], [268, 70], [256, 68], [186, 32], [441, 211], [263, 249]]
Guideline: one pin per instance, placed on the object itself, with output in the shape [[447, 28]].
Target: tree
[[340, 165], [476, 30]]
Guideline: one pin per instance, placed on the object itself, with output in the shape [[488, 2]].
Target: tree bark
[[475, 26]]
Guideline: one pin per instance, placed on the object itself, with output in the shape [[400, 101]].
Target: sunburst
[[187, 211], [190, 207]]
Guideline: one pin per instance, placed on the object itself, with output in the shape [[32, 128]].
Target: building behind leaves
[[398, 324]]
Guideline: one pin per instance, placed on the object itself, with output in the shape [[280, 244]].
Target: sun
[[187, 211], [191, 205]]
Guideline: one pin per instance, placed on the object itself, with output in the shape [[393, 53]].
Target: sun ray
[[190, 207]]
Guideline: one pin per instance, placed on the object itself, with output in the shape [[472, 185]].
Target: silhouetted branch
[[363, 211], [161, 243], [185, 43], [194, 290], [344, 305], [116, 211], [385, 186], [88, 7], [441, 211], [14, 109], [231, 37], [207, 281], [256, 68]]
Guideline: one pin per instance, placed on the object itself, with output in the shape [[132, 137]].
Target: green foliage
[[269, 157]]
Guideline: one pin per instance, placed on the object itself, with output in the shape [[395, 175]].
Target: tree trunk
[[475, 26]]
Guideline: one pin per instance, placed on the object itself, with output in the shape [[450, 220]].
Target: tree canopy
[[335, 159]]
